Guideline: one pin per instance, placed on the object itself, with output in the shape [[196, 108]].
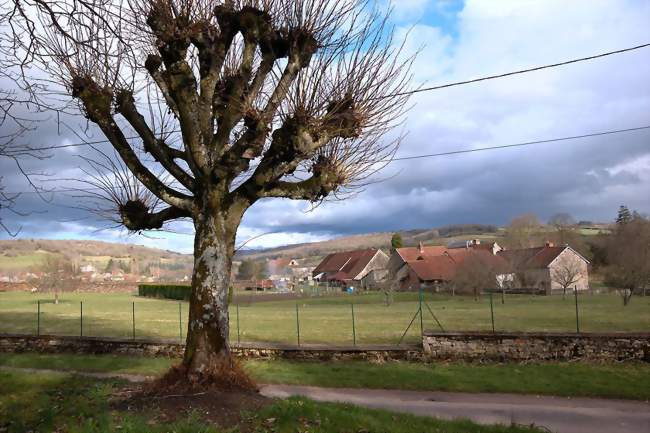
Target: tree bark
[[207, 349]]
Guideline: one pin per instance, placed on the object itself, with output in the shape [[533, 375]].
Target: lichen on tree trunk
[[207, 347]]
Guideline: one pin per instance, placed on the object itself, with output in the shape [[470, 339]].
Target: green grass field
[[322, 320], [567, 379], [24, 261]]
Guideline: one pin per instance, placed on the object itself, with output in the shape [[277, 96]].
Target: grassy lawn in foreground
[[322, 320], [626, 380], [62, 403]]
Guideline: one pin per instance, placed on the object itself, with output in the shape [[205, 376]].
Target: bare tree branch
[[307, 89]]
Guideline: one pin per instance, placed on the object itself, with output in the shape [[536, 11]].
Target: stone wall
[[173, 349], [521, 347], [476, 346]]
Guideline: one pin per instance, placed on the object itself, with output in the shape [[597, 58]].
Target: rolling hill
[[30, 254], [433, 236]]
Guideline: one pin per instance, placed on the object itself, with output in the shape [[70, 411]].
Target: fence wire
[[325, 317]]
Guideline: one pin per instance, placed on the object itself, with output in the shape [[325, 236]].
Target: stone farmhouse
[[543, 269], [437, 271], [351, 268], [546, 267]]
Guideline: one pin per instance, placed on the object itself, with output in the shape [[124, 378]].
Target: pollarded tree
[[272, 98]]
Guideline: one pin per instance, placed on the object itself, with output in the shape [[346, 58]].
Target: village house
[[548, 267], [400, 256], [289, 271], [348, 268], [439, 271]]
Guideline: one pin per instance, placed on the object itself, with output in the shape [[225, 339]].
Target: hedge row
[[165, 291], [170, 291]]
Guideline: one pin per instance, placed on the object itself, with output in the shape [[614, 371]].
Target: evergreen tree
[[109, 266], [396, 241], [624, 215]]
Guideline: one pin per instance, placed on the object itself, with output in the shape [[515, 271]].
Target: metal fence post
[[492, 312], [81, 319], [133, 319], [354, 330], [180, 323], [420, 310], [575, 290], [238, 334], [297, 324], [38, 317]]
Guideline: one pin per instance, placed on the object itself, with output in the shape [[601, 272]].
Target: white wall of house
[[379, 261], [570, 258]]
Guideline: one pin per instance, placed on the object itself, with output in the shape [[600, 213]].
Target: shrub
[[165, 291]]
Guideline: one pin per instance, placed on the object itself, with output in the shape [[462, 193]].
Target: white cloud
[[407, 10], [498, 37]]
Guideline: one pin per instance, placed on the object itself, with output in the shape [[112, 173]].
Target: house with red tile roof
[[400, 256], [441, 270], [350, 267], [547, 268]]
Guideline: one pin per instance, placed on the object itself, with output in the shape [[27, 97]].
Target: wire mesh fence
[[324, 319]]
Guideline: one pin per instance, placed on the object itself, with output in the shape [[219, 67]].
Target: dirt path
[[558, 414]]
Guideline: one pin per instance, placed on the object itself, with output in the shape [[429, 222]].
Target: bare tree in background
[[475, 274], [272, 98], [526, 279], [523, 231], [56, 272], [628, 254], [561, 220], [567, 273]]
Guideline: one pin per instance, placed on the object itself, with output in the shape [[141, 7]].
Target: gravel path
[[558, 414]]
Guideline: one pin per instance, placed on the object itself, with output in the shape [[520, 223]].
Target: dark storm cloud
[[588, 178]]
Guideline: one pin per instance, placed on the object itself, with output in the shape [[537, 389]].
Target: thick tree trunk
[[207, 351]]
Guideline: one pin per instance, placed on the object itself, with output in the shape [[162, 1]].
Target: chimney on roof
[[549, 244], [420, 247]]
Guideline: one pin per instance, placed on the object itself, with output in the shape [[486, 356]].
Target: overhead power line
[[521, 71], [525, 143], [424, 89], [427, 155]]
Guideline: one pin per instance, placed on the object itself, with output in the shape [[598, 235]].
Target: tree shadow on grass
[[41, 402]]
